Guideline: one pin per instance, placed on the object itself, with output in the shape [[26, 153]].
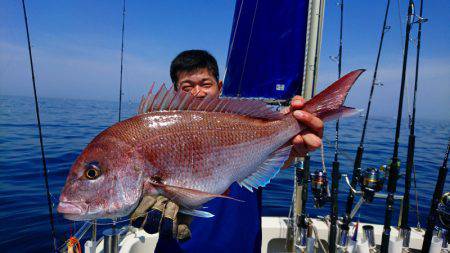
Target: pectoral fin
[[197, 213], [188, 198]]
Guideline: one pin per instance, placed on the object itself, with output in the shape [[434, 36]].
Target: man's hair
[[192, 60]]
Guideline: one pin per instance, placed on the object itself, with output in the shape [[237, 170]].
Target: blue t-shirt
[[236, 226]]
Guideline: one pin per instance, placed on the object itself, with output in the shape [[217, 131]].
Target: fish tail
[[328, 104]]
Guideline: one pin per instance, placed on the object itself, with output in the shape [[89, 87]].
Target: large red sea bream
[[187, 150]]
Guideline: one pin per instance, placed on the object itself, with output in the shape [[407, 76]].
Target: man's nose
[[198, 92]]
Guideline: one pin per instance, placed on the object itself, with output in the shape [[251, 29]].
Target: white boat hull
[[274, 231]]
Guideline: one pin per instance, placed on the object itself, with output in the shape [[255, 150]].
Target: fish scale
[[188, 150], [215, 146]]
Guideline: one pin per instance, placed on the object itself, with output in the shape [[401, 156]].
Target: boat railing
[[79, 234]]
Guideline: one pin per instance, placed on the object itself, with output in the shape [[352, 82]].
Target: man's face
[[200, 83]]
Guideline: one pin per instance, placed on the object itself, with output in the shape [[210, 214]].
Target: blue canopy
[[267, 48]]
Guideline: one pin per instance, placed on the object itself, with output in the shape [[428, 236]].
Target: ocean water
[[68, 125]]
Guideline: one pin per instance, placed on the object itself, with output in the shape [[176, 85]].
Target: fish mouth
[[70, 208]]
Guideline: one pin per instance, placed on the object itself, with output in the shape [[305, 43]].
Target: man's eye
[[206, 85], [186, 87]]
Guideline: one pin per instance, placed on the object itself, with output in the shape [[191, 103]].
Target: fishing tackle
[[121, 62], [359, 153], [371, 181], [412, 137], [335, 174], [319, 188], [434, 209], [443, 210], [394, 168], [41, 140]]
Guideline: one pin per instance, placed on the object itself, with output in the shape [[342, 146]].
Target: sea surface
[[68, 125]]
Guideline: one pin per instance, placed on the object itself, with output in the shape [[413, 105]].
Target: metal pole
[[394, 167], [312, 51]]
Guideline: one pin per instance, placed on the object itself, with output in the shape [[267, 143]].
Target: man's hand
[[309, 139], [159, 214]]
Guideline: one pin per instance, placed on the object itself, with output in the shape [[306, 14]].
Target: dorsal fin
[[163, 99]]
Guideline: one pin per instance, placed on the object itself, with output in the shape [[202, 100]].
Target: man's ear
[[220, 84]]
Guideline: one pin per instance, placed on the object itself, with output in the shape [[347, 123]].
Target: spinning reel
[[443, 210], [371, 181], [319, 188]]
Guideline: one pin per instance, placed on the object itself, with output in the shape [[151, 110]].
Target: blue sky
[[77, 48]]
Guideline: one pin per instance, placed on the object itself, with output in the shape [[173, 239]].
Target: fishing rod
[[121, 61], [439, 188], [36, 104], [335, 174], [357, 165], [395, 163], [411, 140]]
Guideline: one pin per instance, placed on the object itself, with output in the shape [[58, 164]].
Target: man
[[236, 226]]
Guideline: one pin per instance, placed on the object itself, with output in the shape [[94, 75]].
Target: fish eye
[[92, 171]]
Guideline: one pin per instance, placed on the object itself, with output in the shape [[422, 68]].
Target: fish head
[[104, 182]]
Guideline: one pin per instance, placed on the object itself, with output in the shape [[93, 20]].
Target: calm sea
[[68, 125]]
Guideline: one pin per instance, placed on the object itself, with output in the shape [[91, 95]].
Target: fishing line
[[121, 61], [341, 152], [115, 222], [36, 105], [408, 85]]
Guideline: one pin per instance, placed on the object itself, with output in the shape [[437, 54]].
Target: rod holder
[[342, 237], [368, 235], [302, 237], [436, 244], [441, 233], [310, 244], [395, 245], [111, 240], [363, 247], [405, 233]]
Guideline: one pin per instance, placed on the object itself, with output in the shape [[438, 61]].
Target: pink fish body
[[188, 150]]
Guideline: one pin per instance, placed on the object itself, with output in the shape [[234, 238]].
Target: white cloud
[[433, 95]]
